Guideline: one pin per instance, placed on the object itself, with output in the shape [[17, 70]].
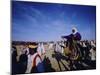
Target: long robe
[[39, 49], [38, 63], [43, 49], [76, 36]]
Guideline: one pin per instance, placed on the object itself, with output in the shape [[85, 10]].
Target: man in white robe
[[58, 48], [34, 61], [93, 54], [39, 49], [42, 48]]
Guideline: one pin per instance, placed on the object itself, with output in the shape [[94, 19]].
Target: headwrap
[[74, 28], [32, 46]]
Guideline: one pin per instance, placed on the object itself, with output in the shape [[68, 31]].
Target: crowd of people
[[29, 58]]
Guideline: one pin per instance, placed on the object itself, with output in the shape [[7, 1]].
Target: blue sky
[[33, 21]]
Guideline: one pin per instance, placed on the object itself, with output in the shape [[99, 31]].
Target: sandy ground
[[57, 62]]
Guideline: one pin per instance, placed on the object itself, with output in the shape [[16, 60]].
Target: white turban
[[75, 30]]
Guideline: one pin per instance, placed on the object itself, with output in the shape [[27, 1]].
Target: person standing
[[35, 64], [39, 49], [43, 49]]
